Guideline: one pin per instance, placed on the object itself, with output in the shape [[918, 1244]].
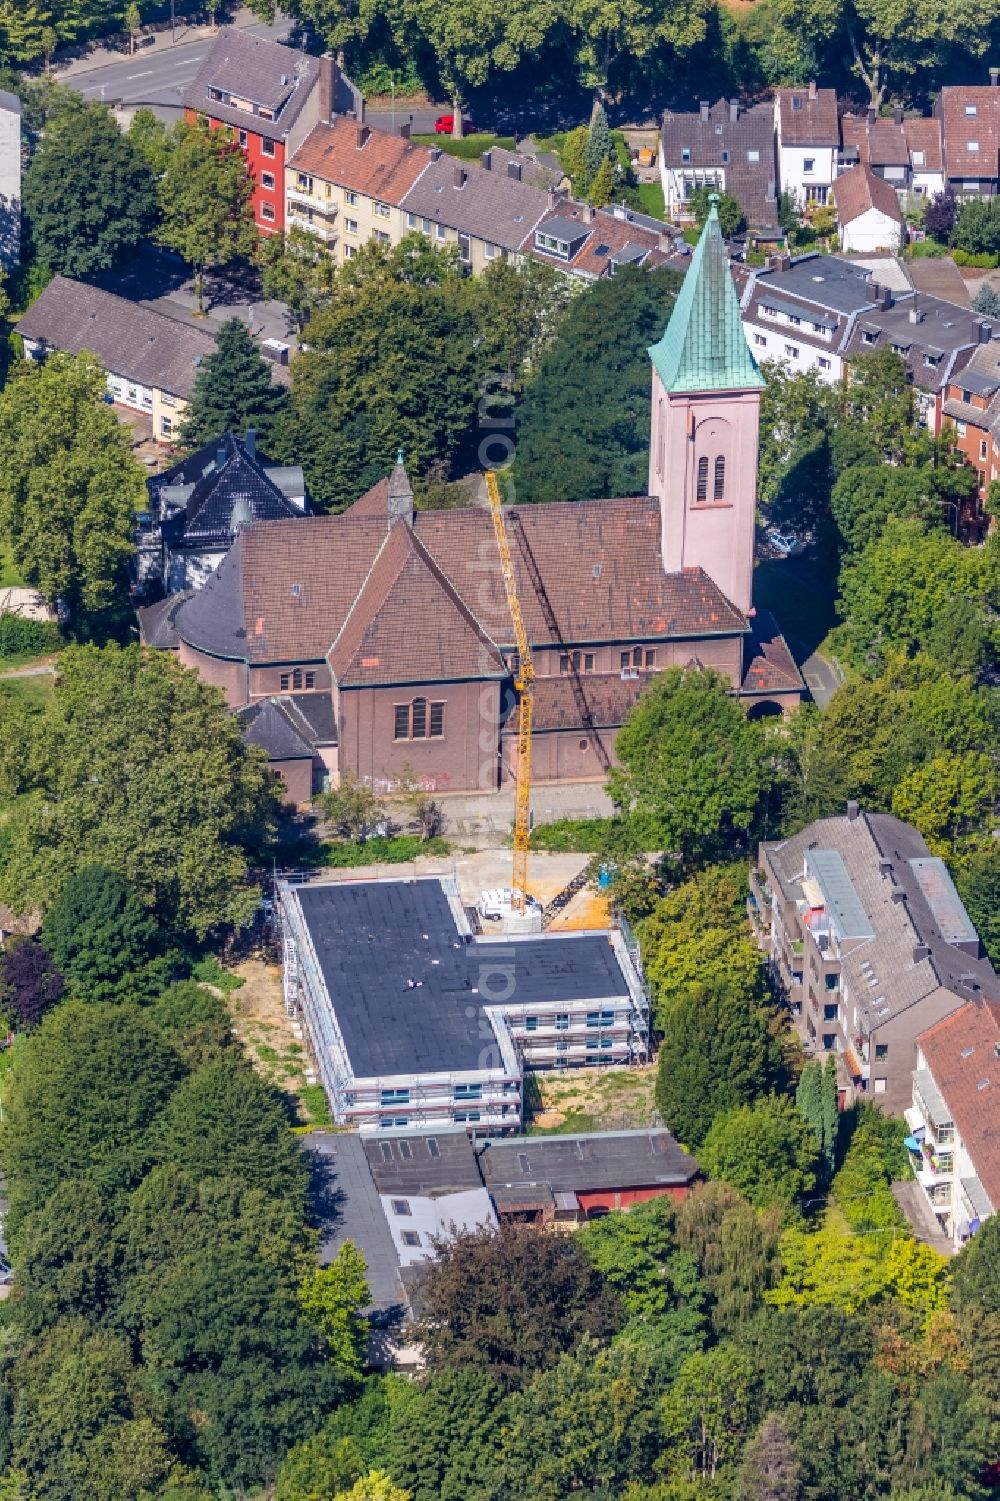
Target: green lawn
[[36, 689], [9, 576], [469, 148], [651, 198]]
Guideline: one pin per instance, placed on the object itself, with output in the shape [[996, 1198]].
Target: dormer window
[[918, 158], [753, 156], [215, 94], [970, 110], [868, 336], [796, 101], [685, 153], [972, 145]]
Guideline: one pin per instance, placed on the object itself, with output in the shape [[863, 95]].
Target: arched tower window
[[702, 490], [719, 492]]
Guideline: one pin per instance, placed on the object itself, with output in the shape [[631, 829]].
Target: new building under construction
[[417, 1023]]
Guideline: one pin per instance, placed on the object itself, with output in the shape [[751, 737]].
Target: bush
[[396, 851], [577, 836], [927, 250], [20, 637], [985, 261], [874, 1158]]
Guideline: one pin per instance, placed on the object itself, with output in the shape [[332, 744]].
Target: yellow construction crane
[[524, 677]]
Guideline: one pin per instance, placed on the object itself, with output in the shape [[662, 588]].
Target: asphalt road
[[154, 77]]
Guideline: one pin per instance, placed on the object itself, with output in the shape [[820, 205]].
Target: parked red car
[[444, 125]]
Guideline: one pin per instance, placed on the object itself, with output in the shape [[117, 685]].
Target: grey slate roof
[[346, 1206], [130, 340], [882, 972], [257, 70], [577, 1164], [221, 476], [10, 102], [943, 328], [489, 205], [405, 983], [156, 622], [289, 727], [829, 281]]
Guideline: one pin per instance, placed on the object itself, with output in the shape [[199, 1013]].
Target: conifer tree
[[232, 390], [600, 147]]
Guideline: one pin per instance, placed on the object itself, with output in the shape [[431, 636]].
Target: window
[[946, 1162], [297, 678], [868, 336], [829, 1041], [491, 251], [461, 1116], [605, 1018], [795, 319], [880, 1086], [918, 158], [932, 360], [401, 1207], [825, 364], [830, 1012], [753, 156], [725, 157], [606, 1043], [215, 94], [381, 211], [243, 139], [410, 1238], [351, 226], [425, 225], [588, 661], [701, 492], [283, 680], [440, 232], [685, 154], [468, 1091], [394, 1097], [809, 164], [349, 251], [394, 1122], [437, 721], [411, 221], [267, 148], [350, 198], [719, 487], [972, 145], [267, 181], [166, 426], [465, 248], [960, 429], [831, 982], [310, 680], [382, 237], [267, 211], [562, 1021], [760, 341], [970, 110], [531, 1023], [792, 351], [769, 312], [649, 658]]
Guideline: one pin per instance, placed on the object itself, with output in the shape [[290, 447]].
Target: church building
[[388, 628]]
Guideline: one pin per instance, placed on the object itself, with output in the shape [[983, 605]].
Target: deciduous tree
[[770, 1470], [106, 943], [69, 484], [89, 196], [205, 194], [766, 1150], [332, 1297], [29, 982]]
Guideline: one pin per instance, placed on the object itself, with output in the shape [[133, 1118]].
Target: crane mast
[[524, 677]]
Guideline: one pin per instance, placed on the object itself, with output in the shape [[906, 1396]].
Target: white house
[[953, 1141], [868, 213], [10, 179], [801, 311], [807, 136]]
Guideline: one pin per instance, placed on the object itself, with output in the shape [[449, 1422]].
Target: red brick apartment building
[[270, 96]]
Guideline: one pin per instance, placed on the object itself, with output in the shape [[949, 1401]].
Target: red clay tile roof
[[859, 190], [961, 1053], [609, 698], [286, 589], [807, 121], [385, 167], [881, 142], [374, 502], [608, 236], [924, 134], [960, 128], [409, 625], [772, 667]]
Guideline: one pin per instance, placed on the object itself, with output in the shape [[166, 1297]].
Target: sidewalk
[[185, 30]]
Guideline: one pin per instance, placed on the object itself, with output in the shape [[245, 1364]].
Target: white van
[[498, 903]]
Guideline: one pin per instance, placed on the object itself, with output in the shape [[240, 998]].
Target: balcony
[[314, 226], [313, 197], [760, 890]]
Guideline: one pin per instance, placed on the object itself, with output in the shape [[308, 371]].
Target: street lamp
[[173, 24], [392, 90]]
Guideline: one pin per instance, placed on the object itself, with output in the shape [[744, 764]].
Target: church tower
[[704, 430]]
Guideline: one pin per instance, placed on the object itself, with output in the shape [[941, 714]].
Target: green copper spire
[[704, 347]]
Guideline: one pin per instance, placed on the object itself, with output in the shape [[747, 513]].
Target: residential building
[[802, 310], [488, 215], [937, 339], [609, 589], [954, 1121], [869, 217], [418, 1024], [722, 147], [10, 180], [270, 96], [971, 410], [869, 942], [906, 151], [346, 182], [151, 360], [199, 505], [567, 1180], [591, 243], [807, 135], [970, 123]]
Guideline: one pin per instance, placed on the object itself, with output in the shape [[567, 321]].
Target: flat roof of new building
[[410, 990]]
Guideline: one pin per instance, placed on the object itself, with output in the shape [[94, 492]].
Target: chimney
[[587, 214], [459, 175], [897, 113], [872, 117], [703, 108], [327, 84], [404, 129], [665, 241], [916, 315], [852, 811], [359, 113], [435, 153], [812, 88], [920, 953], [734, 111], [250, 443], [885, 868], [400, 493], [514, 170], [362, 133], [995, 76], [487, 161], [985, 333]]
